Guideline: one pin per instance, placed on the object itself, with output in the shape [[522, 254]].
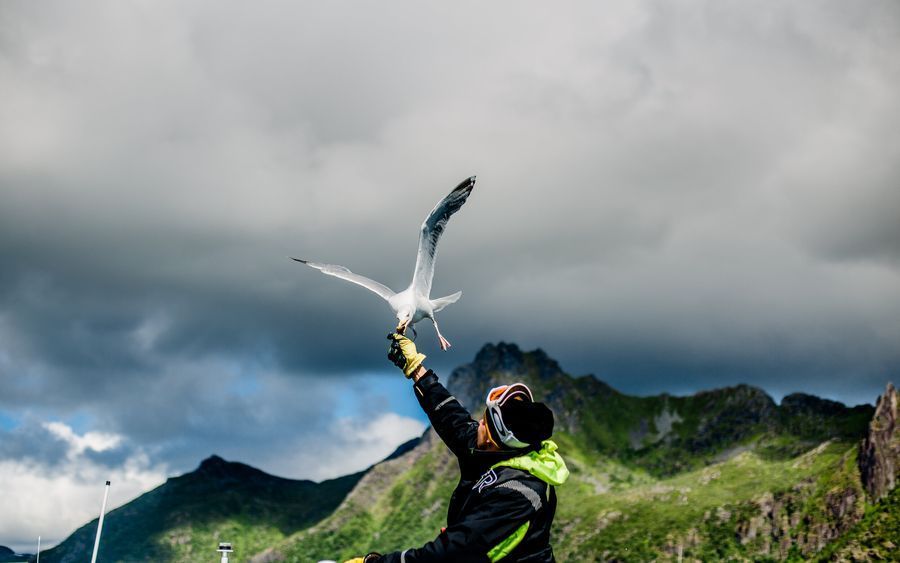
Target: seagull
[[414, 303]]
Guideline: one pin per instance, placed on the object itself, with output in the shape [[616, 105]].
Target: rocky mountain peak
[[212, 463], [509, 358], [214, 469], [500, 355], [801, 402], [879, 455], [497, 364]]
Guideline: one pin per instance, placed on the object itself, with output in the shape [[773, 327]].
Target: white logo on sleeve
[[486, 480]]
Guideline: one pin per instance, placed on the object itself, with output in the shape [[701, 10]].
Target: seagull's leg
[[444, 342], [413, 329]]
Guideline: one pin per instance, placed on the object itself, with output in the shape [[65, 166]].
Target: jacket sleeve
[[449, 418], [497, 518]]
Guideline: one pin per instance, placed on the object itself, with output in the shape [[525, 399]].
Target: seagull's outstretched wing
[[345, 274], [432, 229]]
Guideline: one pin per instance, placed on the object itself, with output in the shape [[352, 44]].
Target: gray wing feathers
[[432, 229], [345, 274]]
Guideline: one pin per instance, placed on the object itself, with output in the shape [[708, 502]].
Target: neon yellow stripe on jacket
[[503, 548]]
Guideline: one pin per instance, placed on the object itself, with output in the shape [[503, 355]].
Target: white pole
[[224, 549], [100, 524], [39, 550]]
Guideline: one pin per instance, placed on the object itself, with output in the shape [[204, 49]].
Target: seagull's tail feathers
[[440, 303]]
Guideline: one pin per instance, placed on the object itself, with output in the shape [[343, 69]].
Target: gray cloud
[[32, 442], [671, 197]]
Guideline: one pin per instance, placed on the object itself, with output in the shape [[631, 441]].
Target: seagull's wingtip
[[298, 260], [466, 184]]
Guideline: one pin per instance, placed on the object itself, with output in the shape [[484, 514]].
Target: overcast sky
[[673, 198]]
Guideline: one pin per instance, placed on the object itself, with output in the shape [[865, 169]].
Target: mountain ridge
[[699, 426], [218, 499], [754, 466], [724, 473]]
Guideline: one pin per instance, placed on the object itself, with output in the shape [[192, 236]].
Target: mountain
[[722, 474], [662, 434], [182, 519], [9, 556]]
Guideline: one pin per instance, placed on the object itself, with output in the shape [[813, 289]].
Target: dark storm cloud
[[32, 442], [671, 197]]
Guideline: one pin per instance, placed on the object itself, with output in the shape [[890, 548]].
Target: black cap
[[530, 422]]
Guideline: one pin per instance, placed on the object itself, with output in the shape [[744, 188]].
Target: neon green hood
[[545, 464]]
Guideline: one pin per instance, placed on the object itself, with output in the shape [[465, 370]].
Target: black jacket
[[490, 508]]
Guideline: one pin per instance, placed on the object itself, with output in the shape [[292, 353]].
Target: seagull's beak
[[401, 328]]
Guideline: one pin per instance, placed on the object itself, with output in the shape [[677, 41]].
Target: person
[[505, 501]]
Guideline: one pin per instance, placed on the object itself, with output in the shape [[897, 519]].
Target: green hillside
[[725, 474], [608, 510], [183, 519]]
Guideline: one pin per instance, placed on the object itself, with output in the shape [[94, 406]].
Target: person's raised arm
[[448, 417]]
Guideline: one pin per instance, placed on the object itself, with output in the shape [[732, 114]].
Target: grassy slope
[[606, 511], [702, 511], [397, 504]]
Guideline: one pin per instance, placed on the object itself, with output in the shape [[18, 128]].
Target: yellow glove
[[370, 558], [404, 354]]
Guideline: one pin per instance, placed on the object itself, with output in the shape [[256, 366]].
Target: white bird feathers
[[414, 303]]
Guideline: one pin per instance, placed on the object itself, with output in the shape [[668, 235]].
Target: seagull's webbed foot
[[444, 342]]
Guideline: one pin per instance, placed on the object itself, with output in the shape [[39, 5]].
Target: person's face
[[482, 440], [482, 434]]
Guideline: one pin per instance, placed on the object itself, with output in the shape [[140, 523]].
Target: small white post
[[100, 524], [39, 550], [224, 549]]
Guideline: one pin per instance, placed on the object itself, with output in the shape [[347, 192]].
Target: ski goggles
[[496, 398]]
